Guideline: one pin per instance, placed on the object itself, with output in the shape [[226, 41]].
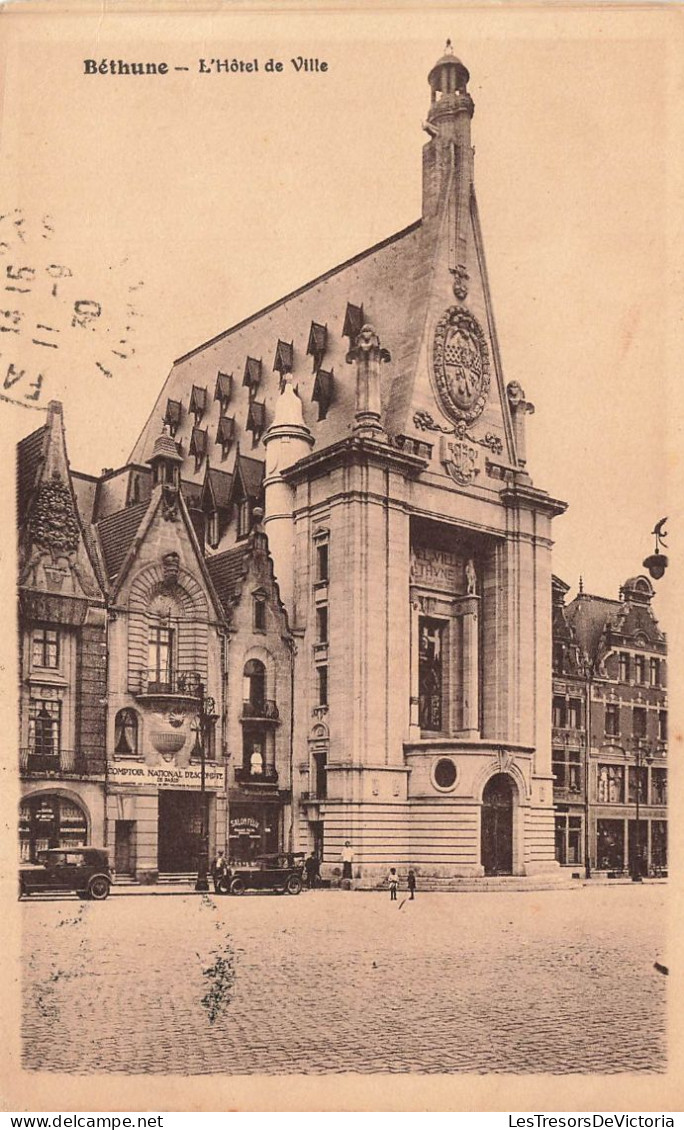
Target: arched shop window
[[49, 821], [126, 732]]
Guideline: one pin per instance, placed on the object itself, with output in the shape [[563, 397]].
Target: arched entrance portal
[[497, 826]]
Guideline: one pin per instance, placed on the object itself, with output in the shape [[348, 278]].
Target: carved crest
[[461, 458], [460, 365]]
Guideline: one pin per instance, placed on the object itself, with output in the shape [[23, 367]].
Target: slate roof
[[30, 461], [251, 472], [227, 571], [220, 483], [588, 616], [117, 532]]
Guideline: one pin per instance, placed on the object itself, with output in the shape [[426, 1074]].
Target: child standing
[[393, 880], [411, 883]]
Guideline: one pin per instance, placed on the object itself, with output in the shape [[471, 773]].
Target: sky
[[156, 211]]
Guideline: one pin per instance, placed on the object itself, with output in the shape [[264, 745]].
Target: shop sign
[[244, 825], [186, 777]]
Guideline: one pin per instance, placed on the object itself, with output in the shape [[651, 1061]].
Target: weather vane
[[656, 562]]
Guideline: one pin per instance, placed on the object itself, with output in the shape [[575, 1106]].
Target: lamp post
[[586, 670], [205, 718], [641, 755]]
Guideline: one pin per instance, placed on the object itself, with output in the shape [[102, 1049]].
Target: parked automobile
[[281, 873], [84, 870]]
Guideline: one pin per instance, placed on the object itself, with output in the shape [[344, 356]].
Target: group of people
[[312, 872], [393, 884]]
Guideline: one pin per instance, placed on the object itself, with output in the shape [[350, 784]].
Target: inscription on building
[[185, 778], [437, 569]]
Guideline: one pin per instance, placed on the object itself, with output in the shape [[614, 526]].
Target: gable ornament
[[460, 365]]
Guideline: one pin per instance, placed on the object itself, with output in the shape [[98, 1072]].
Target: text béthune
[[299, 64]]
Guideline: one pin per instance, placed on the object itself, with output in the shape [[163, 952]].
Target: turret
[[447, 157], [287, 441]]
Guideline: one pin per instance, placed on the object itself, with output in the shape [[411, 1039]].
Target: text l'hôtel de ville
[[591, 1121], [300, 64]]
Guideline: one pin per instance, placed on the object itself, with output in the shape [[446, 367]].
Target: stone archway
[[497, 824]]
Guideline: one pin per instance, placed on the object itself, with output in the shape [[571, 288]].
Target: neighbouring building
[[62, 654], [610, 730]]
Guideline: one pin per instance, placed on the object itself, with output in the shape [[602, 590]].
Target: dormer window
[[198, 403], [244, 517], [198, 446], [252, 377], [256, 420], [318, 340], [284, 359], [225, 433], [323, 392], [173, 415], [353, 323], [223, 390]]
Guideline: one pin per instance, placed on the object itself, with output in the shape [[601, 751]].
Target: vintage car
[[281, 873], [84, 870]]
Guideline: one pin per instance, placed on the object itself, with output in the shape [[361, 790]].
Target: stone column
[[368, 355], [467, 609]]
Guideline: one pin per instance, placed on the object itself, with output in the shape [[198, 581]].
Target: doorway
[[124, 847], [497, 826], [180, 827]]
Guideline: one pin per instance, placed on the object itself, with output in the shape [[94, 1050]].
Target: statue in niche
[[471, 578]]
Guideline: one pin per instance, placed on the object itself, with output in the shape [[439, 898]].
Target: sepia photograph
[[337, 362]]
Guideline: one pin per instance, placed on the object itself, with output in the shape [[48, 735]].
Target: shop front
[[254, 830]]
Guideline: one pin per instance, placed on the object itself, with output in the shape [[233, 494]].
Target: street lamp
[[641, 755], [205, 718], [586, 670]]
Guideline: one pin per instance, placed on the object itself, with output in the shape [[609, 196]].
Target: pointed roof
[[31, 455], [227, 571], [117, 533]]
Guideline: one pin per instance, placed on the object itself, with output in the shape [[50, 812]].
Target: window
[[322, 624], [254, 684], [659, 844], [322, 562], [45, 719], [569, 839], [654, 672], [639, 669], [662, 725], [574, 713], [558, 658], [160, 656], [45, 648], [612, 719], [445, 773], [213, 531], [637, 781], [322, 686], [567, 770], [639, 721], [558, 768], [430, 674], [624, 667], [658, 786], [610, 845], [611, 784], [244, 517], [126, 732], [559, 712], [259, 614]]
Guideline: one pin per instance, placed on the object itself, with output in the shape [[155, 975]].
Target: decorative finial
[[448, 50], [581, 585]]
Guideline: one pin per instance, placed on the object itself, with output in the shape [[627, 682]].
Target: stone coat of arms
[[460, 365]]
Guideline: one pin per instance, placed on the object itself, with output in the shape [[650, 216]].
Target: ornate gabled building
[[610, 731], [62, 653], [411, 549]]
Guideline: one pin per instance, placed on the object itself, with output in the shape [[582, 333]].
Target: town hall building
[[329, 525]]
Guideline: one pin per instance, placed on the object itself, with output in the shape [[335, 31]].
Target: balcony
[[166, 687], [268, 778], [58, 763], [264, 711], [570, 735]]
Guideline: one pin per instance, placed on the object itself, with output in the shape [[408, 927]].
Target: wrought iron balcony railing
[[182, 683], [245, 776], [266, 709], [44, 760]]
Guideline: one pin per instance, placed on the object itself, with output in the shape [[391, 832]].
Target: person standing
[[411, 884], [218, 870], [347, 858], [312, 870], [393, 880]]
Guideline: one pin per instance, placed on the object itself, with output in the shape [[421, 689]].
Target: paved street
[[554, 981]]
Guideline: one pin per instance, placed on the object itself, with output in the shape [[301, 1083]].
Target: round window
[[444, 773]]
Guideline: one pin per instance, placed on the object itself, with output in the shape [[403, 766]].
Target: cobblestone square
[[520, 982]]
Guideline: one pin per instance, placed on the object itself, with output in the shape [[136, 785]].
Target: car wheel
[[222, 886], [98, 887], [294, 885], [237, 887]]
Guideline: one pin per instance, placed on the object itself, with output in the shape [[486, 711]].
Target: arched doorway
[[497, 826], [49, 820]]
